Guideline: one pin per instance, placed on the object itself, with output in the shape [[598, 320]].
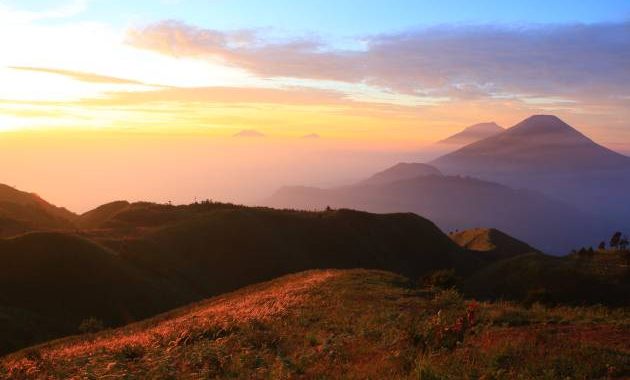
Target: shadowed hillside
[[344, 324], [21, 212], [536, 277], [143, 258], [492, 243], [59, 280], [99, 216]]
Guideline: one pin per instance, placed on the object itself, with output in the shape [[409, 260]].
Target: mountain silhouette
[[545, 154], [472, 134], [455, 202], [538, 144], [402, 171]]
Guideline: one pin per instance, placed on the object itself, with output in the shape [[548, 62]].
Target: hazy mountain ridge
[[540, 143], [472, 134], [545, 154], [454, 202], [401, 171], [547, 171]]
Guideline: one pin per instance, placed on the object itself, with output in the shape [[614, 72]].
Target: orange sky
[[85, 104]]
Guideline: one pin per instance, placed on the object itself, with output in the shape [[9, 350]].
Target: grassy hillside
[[146, 258], [59, 280], [131, 261], [22, 212], [235, 246], [538, 277], [344, 324], [492, 243], [99, 216]]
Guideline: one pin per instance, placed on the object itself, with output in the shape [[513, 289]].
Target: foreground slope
[[343, 324]]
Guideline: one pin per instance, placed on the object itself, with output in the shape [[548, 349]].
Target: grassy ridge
[[144, 258]]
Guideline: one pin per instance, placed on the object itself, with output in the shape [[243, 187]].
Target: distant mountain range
[[541, 144], [400, 172], [541, 181], [472, 134], [455, 202], [545, 154]]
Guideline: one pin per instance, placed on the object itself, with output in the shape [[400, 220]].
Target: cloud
[[468, 62], [249, 133], [304, 58], [68, 9], [289, 96], [311, 136], [78, 75]]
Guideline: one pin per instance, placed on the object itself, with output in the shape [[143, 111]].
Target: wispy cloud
[[557, 61], [68, 9], [79, 75]]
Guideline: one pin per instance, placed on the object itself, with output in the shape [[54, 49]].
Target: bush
[[441, 279], [130, 352], [539, 295], [91, 325]]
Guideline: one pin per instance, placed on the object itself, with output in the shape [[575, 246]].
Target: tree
[[615, 239], [91, 325], [623, 243], [602, 246]]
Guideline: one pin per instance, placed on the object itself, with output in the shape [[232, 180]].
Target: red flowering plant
[[447, 330]]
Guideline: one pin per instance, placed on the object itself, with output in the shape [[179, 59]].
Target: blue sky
[[429, 62], [343, 18], [370, 75]]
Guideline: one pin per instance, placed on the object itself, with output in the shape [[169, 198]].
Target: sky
[[98, 78]]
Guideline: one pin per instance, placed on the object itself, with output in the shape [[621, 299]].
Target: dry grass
[[345, 324]]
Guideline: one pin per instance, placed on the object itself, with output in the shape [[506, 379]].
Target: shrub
[[538, 295], [441, 279], [449, 298], [91, 325], [130, 352], [513, 317], [445, 330]]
